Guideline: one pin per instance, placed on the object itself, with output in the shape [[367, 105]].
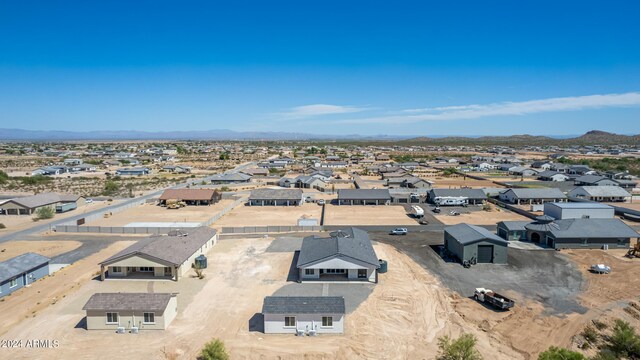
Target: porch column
[[101, 272]]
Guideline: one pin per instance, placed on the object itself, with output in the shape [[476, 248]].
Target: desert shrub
[[2, 226], [44, 213], [110, 187], [590, 334], [214, 350], [556, 353], [599, 325], [462, 348]]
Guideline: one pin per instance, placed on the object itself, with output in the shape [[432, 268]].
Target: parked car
[[398, 231], [600, 269], [88, 201], [321, 202], [423, 222], [436, 209]]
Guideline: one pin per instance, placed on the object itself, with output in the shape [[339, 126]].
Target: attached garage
[[470, 242]]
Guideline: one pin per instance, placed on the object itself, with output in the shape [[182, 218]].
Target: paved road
[[45, 227]]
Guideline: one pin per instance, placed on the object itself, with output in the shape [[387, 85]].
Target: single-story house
[[580, 233], [231, 178], [143, 311], [190, 196], [473, 196], [133, 171], [160, 256], [344, 255], [309, 315], [600, 193], [579, 210], [532, 196], [28, 205], [513, 230], [364, 197], [21, 271], [594, 180], [544, 165], [627, 183], [580, 170], [469, 242], [256, 172], [523, 171], [409, 181], [551, 175], [177, 169], [261, 197]]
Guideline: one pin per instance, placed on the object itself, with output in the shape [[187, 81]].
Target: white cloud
[[306, 111], [505, 108]]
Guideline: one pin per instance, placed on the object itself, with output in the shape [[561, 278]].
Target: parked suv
[[398, 231]]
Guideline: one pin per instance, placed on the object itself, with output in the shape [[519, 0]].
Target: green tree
[[214, 350], [110, 187], [556, 353], [624, 342], [462, 348], [44, 213], [3, 177]]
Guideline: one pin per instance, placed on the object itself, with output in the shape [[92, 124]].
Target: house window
[[13, 283], [309, 271], [149, 318], [335, 271], [117, 269], [289, 321], [327, 321], [362, 273], [112, 318], [145, 269]]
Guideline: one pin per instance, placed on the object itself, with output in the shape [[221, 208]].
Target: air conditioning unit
[[120, 330], [135, 330]]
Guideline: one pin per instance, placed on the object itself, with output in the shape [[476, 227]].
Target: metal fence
[[269, 229], [73, 228]]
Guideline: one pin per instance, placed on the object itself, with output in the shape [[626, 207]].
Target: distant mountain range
[[594, 137]]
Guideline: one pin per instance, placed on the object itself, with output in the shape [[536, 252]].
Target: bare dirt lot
[[366, 215], [474, 215], [155, 213], [244, 215], [456, 182], [49, 249]]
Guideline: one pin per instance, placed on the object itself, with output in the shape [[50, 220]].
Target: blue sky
[[324, 67]]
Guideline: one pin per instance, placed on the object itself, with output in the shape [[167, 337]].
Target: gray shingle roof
[[349, 243], [603, 191], [128, 302], [538, 193], [231, 177], [468, 193], [20, 264], [43, 199], [276, 194], [172, 249], [467, 234], [364, 194], [590, 179], [303, 305], [514, 225], [590, 228]]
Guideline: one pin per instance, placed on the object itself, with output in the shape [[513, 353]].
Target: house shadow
[[444, 255], [82, 324], [293, 275], [256, 323]]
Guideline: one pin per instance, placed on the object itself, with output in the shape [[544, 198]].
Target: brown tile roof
[[187, 194]]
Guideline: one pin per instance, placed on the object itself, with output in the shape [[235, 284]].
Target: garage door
[[485, 253]]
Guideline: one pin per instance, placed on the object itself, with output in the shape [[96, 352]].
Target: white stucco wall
[[274, 323]]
